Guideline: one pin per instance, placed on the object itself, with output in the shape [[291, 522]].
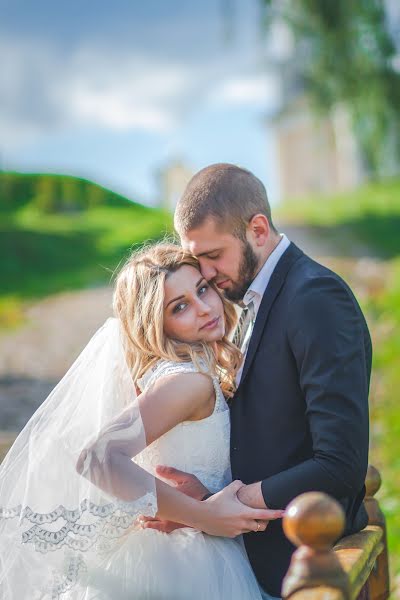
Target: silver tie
[[242, 334]]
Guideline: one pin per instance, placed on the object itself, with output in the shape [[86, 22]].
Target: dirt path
[[35, 357], [55, 331]]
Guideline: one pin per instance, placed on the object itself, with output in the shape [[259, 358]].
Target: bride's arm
[[107, 462], [169, 401]]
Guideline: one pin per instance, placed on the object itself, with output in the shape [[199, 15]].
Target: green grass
[[383, 312], [44, 253], [370, 215]]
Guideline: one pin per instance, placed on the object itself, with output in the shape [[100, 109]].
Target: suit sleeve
[[330, 343]]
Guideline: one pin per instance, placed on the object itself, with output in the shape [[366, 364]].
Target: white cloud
[[117, 111], [257, 91], [44, 92], [122, 93]]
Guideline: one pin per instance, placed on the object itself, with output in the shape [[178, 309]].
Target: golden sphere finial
[[314, 519]]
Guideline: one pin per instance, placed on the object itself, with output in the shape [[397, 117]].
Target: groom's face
[[225, 259]]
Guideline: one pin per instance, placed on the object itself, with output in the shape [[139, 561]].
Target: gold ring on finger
[[258, 526]]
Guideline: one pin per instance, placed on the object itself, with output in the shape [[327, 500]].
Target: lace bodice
[[197, 447]]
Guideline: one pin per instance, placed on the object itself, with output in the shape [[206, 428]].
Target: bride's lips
[[211, 324]]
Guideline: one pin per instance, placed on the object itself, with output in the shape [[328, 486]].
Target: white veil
[[69, 490]]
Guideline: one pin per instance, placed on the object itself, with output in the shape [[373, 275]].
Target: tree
[[95, 195], [47, 194], [345, 54]]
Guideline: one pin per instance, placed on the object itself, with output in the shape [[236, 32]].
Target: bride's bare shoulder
[[174, 398]]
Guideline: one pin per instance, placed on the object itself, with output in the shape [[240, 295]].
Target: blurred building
[[316, 155], [172, 180]]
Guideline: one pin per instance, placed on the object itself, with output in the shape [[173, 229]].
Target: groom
[[299, 418]]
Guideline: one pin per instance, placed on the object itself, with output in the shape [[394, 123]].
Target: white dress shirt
[[257, 288]]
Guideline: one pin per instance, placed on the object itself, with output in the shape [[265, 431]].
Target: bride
[[149, 389]]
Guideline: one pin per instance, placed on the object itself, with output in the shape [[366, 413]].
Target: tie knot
[[250, 309]]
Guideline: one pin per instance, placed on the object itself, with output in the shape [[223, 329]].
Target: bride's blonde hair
[[138, 303]]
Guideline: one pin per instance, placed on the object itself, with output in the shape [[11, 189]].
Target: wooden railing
[[354, 567]]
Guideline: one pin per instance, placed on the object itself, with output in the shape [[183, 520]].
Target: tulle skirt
[[185, 564]]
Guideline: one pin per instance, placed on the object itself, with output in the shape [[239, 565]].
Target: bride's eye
[[202, 289], [179, 307]]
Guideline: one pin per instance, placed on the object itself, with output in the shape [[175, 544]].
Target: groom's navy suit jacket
[[299, 418]]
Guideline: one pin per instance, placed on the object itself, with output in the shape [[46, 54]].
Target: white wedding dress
[[186, 563]]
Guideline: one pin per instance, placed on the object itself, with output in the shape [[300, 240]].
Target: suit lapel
[[277, 280]]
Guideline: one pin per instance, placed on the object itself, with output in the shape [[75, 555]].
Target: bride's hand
[[224, 514]]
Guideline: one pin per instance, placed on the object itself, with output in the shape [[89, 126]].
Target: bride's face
[[193, 310]]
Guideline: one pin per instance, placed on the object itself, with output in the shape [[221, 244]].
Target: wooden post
[[313, 522], [378, 582]]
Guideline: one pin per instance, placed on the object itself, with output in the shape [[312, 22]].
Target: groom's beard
[[247, 270]]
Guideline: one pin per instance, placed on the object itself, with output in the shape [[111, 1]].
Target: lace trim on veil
[[109, 522], [111, 519], [74, 571]]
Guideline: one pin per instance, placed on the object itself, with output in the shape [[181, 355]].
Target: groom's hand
[[184, 482], [160, 524], [187, 484], [251, 495]]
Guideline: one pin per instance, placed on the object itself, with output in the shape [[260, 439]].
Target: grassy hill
[[51, 193], [60, 233], [372, 215]]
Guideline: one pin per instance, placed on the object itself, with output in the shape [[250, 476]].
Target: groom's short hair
[[228, 194]]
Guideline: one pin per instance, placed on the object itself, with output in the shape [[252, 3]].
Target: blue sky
[[112, 92]]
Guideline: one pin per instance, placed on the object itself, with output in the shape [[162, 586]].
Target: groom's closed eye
[[214, 255]]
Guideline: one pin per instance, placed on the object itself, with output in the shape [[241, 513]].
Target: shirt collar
[[259, 284]]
